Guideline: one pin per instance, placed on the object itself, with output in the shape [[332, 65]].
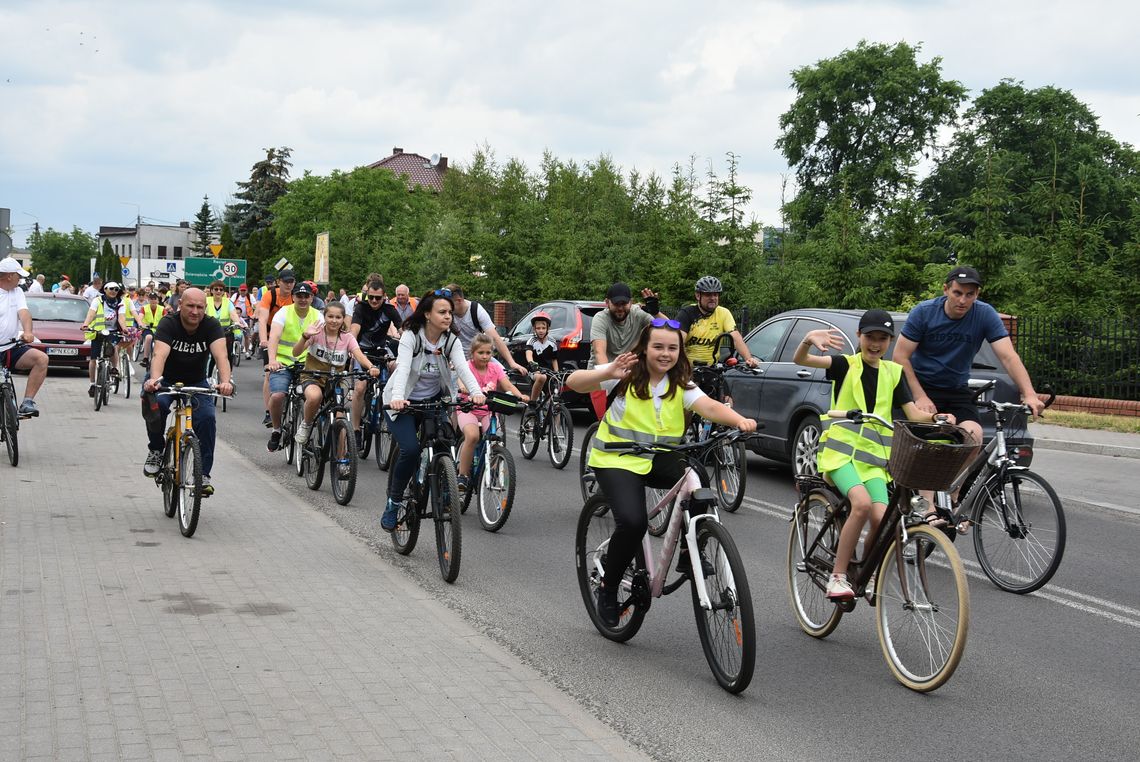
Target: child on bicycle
[[651, 391], [541, 352], [330, 346], [491, 378], [855, 461]]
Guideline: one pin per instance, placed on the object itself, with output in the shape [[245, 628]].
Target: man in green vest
[[854, 458], [285, 330]]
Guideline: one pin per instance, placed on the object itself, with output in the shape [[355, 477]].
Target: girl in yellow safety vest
[[651, 390], [855, 460]]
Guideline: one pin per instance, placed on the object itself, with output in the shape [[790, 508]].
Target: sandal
[[934, 519]]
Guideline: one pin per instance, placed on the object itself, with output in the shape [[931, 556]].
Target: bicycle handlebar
[[1001, 407], [191, 391], [730, 435], [15, 343]]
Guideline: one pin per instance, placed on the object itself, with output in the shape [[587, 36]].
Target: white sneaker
[[839, 587], [302, 434], [153, 463]]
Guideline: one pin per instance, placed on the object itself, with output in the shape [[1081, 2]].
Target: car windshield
[[65, 310]]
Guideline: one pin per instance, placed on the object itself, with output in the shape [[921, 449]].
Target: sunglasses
[[375, 298], [302, 296], [444, 292], [665, 323]]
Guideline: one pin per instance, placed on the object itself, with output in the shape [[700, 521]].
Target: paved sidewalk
[[1113, 443], [271, 634]]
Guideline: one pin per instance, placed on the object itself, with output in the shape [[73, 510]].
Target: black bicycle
[[9, 411], [729, 462], [433, 492], [291, 414], [373, 423], [549, 418], [493, 467], [330, 440], [108, 374]]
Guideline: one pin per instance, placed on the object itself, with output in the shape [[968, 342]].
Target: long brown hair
[[638, 378]]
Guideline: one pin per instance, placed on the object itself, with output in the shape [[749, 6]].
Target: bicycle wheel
[[100, 384], [385, 445], [528, 434], [367, 433], [167, 480], [313, 453], [728, 630], [289, 426], [811, 557], [1019, 544], [595, 527], [659, 523], [922, 609], [496, 488], [560, 441], [445, 512], [586, 480], [189, 484], [113, 378], [11, 425], [407, 530], [125, 374], [730, 470], [342, 461]]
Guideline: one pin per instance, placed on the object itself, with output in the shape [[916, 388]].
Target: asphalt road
[[1050, 675]]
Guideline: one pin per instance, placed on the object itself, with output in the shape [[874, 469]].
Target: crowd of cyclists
[[442, 345]]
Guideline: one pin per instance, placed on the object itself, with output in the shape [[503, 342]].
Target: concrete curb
[[1090, 448]]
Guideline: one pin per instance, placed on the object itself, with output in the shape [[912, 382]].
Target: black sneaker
[[267, 421], [91, 391], [607, 607], [359, 439], [274, 442], [686, 569]]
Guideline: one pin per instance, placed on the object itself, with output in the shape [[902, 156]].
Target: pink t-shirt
[[488, 382], [328, 355]]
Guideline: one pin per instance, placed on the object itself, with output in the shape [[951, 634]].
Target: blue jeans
[[204, 416], [405, 431]]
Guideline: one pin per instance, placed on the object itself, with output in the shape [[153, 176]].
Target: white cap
[[111, 284], [10, 265]]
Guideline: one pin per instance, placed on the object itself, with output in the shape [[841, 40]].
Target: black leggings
[[626, 491]]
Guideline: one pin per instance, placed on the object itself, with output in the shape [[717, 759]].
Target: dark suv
[[569, 327], [790, 398]]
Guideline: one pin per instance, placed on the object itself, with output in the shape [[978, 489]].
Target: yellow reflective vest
[[151, 318], [222, 313], [294, 327], [99, 322], [639, 422], [868, 446]]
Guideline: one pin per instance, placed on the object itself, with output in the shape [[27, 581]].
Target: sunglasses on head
[[443, 292], [665, 323]]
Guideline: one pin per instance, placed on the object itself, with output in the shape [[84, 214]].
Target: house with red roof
[[416, 169]]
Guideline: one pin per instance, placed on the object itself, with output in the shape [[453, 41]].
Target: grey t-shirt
[[466, 326], [620, 337]]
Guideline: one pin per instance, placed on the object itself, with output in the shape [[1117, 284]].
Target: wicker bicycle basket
[[930, 456]]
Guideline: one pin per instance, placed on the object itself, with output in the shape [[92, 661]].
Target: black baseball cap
[[964, 274], [877, 320], [619, 293], [302, 288], [286, 275]]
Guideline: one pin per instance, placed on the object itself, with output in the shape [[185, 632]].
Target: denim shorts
[[279, 381]]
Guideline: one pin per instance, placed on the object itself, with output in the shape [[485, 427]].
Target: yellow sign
[[321, 259], [124, 261], [215, 249]]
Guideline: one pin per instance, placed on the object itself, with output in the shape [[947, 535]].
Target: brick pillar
[[1011, 326], [502, 313]]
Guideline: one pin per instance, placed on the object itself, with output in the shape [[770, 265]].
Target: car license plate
[[63, 350]]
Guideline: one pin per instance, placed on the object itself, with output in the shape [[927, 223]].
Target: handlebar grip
[[853, 415], [1052, 395], [618, 445]]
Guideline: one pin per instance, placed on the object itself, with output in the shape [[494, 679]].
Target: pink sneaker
[[839, 587]]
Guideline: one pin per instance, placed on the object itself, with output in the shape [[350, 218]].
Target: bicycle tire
[[367, 433], [496, 488], [730, 470], [125, 374], [166, 477], [190, 484], [100, 381], [586, 481], [385, 445], [314, 452], [10, 423], [407, 531], [815, 613], [595, 527], [342, 461], [445, 514], [289, 427], [922, 634], [528, 434], [1022, 555], [560, 437], [113, 379], [728, 631], [659, 523]]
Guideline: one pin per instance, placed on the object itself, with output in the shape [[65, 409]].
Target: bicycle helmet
[[709, 284], [540, 315]]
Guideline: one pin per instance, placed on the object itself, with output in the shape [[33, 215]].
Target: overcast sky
[[112, 109]]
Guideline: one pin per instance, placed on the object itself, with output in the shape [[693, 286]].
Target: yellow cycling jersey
[[704, 331]]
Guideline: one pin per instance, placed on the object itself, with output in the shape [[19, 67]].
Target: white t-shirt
[[349, 303], [110, 313], [35, 288], [11, 302], [279, 319], [467, 329], [90, 293], [430, 380], [689, 397]]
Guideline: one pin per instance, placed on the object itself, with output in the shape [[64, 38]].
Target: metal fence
[[1083, 358]]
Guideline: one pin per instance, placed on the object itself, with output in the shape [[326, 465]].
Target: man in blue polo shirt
[[938, 344]]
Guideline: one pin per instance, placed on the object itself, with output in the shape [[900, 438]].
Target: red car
[[56, 319]]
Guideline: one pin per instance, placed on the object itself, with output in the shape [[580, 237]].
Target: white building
[[155, 252]]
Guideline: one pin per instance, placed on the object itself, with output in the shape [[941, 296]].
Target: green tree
[[268, 181], [205, 228], [107, 265], [55, 254], [860, 122]]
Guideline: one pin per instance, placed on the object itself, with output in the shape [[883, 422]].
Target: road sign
[[202, 271], [124, 261], [215, 249], [126, 271]]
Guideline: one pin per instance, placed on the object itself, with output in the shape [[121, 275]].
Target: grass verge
[[1122, 423]]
